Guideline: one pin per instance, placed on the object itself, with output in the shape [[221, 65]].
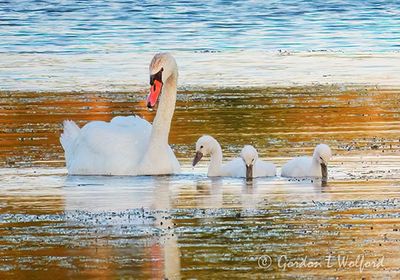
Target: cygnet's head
[[162, 67], [249, 155], [323, 154], [205, 145]]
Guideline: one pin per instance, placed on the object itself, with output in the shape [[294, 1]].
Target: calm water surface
[[74, 26], [190, 226], [87, 60], [107, 45]]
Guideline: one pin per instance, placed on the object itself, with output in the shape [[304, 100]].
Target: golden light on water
[[186, 225]]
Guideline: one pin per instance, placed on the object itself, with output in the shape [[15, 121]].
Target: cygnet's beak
[[197, 158], [249, 172], [324, 171]]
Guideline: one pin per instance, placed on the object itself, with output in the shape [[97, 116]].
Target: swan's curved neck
[[214, 169], [165, 112], [315, 162], [157, 158]]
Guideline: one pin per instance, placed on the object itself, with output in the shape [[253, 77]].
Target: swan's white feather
[[301, 167], [107, 148], [308, 166], [249, 155], [264, 169], [237, 168], [67, 138], [127, 145], [234, 168]]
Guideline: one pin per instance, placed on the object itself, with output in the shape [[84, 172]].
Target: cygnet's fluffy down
[[247, 165], [305, 166]]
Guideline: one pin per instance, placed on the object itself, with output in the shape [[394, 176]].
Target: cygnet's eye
[[321, 158], [253, 160], [201, 147]]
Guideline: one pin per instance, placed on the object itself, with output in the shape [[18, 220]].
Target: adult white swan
[[128, 145], [315, 166], [238, 167]]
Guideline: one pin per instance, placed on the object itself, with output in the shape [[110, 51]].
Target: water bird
[[128, 145], [247, 165], [256, 167], [306, 166]]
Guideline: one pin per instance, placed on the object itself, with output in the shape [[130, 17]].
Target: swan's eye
[[162, 69], [156, 77], [321, 158], [201, 147]]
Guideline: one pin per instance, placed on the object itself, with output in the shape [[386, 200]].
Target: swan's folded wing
[[112, 148], [264, 169], [297, 167], [68, 138], [234, 168]]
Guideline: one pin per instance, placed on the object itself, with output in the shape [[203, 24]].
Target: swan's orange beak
[[155, 91]]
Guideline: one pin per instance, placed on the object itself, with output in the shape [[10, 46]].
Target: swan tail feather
[[67, 138]]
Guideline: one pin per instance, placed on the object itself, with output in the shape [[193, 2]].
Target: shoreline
[[286, 89], [206, 70]]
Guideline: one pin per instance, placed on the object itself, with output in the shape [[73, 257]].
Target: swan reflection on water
[[152, 205], [103, 193]]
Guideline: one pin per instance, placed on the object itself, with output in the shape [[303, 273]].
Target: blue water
[[73, 26]]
